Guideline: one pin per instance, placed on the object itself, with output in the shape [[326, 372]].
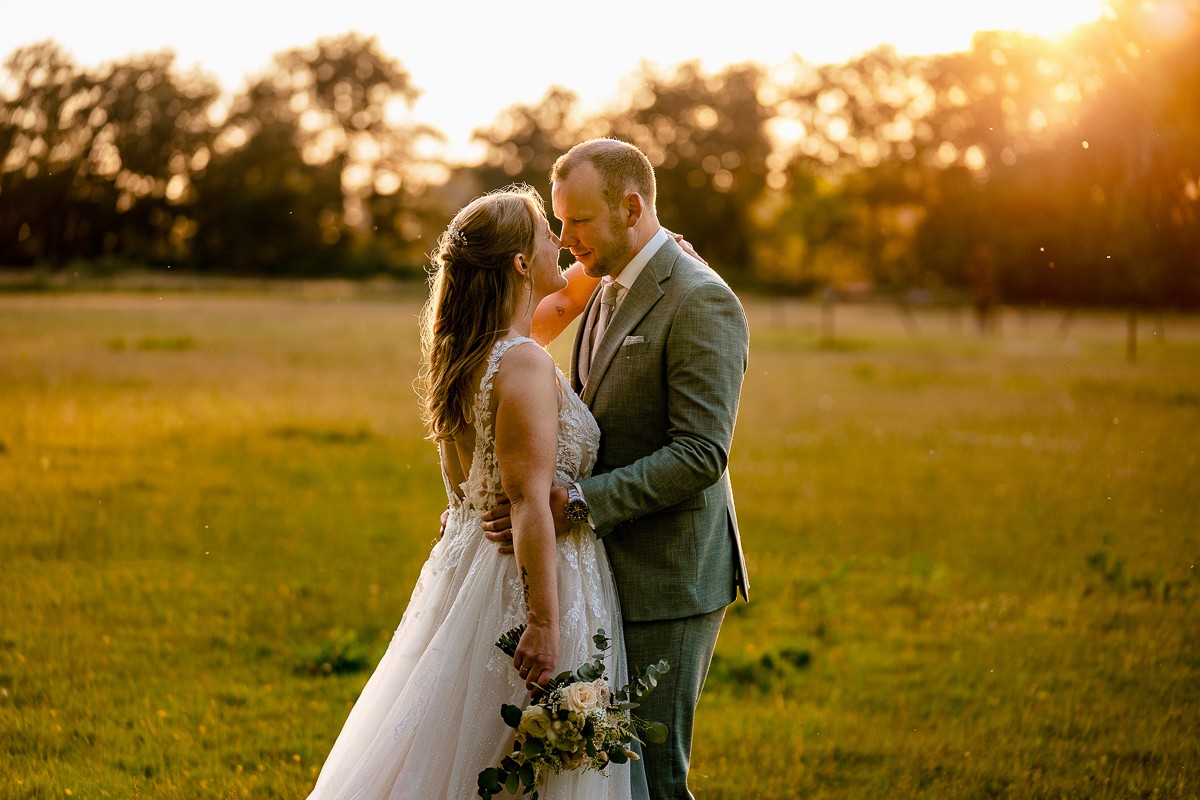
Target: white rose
[[535, 722], [582, 697]]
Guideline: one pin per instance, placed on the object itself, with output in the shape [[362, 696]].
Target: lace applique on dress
[[578, 436], [482, 487], [428, 720]]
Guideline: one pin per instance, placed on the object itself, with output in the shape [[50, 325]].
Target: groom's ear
[[633, 206]]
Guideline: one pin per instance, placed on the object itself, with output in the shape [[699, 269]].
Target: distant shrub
[[764, 673], [343, 653]]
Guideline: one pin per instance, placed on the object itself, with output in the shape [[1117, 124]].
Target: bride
[[506, 424]]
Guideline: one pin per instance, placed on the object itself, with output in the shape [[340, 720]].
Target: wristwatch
[[577, 508]]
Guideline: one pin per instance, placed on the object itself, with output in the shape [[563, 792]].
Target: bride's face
[[544, 270]]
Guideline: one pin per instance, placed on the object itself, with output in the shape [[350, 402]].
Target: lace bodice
[[427, 721], [578, 438]]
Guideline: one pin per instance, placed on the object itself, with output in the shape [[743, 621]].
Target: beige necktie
[[608, 302]]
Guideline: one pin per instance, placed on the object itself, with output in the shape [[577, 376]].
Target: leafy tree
[[849, 129], [800, 230], [261, 209], [523, 143], [1132, 160], [45, 139], [1082, 160], [1022, 169], [308, 168], [97, 163], [706, 136], [152, 125]]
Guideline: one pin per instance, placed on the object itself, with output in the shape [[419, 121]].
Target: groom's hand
[[497, 520], [497, 525]]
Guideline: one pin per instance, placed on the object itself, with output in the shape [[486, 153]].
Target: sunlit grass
[[972, 558]]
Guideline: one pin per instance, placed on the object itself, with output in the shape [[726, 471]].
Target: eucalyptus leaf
[[489, 780], [590, 672], [511, 715], [656, 732]]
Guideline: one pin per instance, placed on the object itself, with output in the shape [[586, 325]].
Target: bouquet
[[576, 722]]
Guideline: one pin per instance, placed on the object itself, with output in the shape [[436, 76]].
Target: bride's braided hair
[[471, 299]]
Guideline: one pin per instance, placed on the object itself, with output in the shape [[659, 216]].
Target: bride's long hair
[[472, 294]]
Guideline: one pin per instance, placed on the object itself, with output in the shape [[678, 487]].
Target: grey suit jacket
[[664, 386]]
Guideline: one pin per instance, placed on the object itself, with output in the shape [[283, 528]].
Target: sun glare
[[1049, 18], [939, 26], [760, 30]]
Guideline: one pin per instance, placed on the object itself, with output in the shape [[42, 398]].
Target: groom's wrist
[[577, 509]]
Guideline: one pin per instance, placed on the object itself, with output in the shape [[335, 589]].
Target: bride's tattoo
[[525, 584], [560, 310]]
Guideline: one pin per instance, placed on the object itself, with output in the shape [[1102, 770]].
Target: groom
[[659, 359]]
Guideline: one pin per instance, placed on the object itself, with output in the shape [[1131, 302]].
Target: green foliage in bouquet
[[577, 722]]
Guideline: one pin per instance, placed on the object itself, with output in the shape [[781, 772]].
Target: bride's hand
[[537, 655], [686, 245]]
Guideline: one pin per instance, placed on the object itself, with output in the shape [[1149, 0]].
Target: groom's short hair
[[621, 166]]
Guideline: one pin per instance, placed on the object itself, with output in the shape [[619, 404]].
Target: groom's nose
[[566, 238]]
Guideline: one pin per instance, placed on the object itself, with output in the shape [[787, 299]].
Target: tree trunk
[[1131, 336]]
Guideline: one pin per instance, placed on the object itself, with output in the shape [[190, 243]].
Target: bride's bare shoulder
[[525, 367]]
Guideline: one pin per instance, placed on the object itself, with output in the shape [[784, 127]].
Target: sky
[[471, 59]]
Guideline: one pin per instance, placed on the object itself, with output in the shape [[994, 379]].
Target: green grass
[[972, 559]]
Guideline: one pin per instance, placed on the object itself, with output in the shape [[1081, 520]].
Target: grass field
[[972, 558]]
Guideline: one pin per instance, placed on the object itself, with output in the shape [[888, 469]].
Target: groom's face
[[597, 236]]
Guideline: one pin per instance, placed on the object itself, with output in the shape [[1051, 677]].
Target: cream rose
[[583, 697], [534, 722], [602, 690]]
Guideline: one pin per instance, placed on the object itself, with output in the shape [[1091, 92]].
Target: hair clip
[[458, 237]]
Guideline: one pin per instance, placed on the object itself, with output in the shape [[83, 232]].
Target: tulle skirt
[[428, 720]]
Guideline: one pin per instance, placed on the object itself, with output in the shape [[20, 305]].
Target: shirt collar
[[639, 262]]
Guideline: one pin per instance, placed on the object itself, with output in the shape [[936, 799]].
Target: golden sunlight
[[760, 31]]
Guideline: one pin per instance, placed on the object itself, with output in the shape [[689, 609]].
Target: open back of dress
[[428, 720]]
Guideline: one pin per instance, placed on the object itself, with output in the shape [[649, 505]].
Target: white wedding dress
[[428, 720]]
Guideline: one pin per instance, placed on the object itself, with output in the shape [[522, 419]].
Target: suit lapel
[[645, 292]]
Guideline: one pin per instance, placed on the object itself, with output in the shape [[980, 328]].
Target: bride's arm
[[558, 310], [526, 431]]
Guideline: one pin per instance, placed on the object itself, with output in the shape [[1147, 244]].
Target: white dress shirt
[[634, 268]]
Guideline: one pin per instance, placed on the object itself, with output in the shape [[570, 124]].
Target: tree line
[[1022, 170]]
